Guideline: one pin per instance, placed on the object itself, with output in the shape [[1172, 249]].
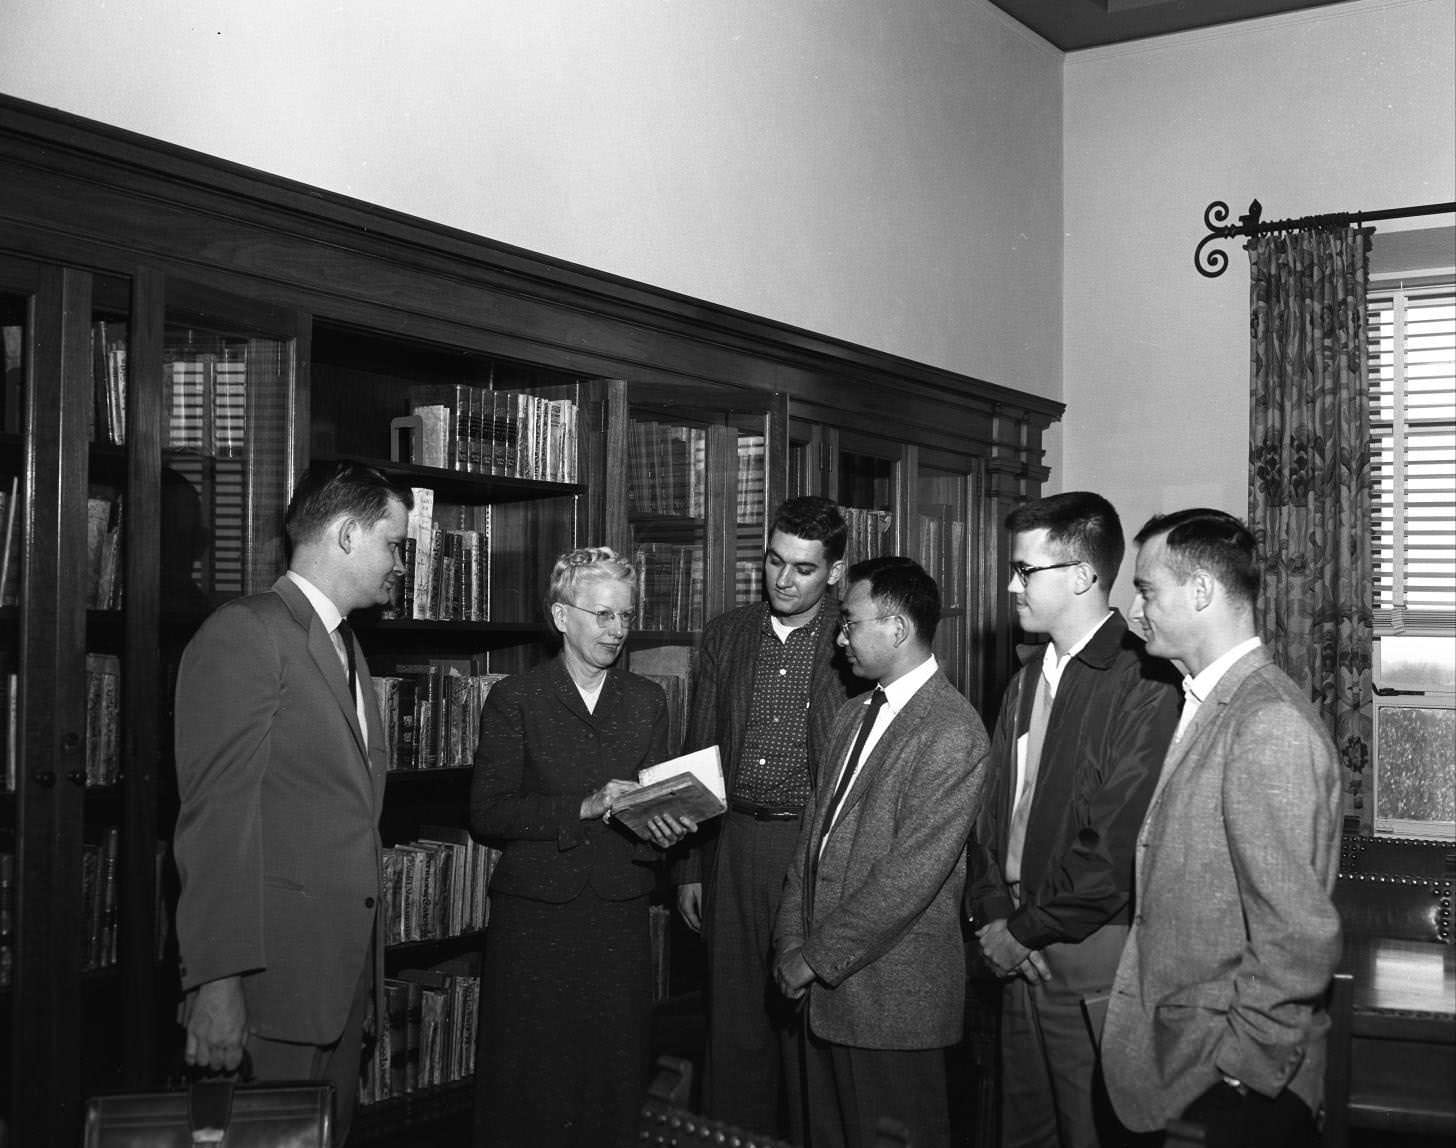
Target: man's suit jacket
[[1114, 713], [541, 751], [724, 672], [878, 918], [277, 838], [1234, 937]]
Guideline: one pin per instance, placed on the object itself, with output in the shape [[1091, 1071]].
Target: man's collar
[[322, 604], [782, 630], [903, 688], [1201, 685]]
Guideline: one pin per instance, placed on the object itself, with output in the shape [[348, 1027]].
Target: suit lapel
[[570, 697], [916, 710], [325, 656], [1210, 712]]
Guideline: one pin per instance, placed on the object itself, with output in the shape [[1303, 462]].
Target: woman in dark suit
[[566, 993]]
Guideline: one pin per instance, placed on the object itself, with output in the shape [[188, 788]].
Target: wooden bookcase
[[265, 323]]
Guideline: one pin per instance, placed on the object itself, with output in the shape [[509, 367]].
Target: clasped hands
[[1008, 957], [793, 974], [664, 829]]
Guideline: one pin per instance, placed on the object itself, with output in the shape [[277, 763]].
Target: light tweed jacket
[[880, 921], [1234, 937]]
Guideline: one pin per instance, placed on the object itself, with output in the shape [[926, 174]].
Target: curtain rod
[[1212, 264]]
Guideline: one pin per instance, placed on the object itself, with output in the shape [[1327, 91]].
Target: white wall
[[884, 173], [1342, 108]]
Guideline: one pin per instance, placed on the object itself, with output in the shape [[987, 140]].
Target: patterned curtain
[[1309, 473]]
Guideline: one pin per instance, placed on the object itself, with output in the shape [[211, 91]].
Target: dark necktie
[[346, 637], [877, 699]]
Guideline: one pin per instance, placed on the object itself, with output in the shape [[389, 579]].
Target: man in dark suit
[[1217, 1013], [1078, 745], [869, 935], [766, 687], [280, 770]]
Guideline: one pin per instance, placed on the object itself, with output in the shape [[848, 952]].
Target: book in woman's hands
[[688, 786]]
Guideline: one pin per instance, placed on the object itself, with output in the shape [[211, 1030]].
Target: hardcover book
[[687, 786]]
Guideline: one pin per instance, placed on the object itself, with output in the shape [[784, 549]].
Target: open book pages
[[704, 764], [689, 786]]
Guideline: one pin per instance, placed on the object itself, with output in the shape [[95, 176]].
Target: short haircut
[[1211, 540], [1082, 524], [587, 564], [813, 519], [329, 489], [901, 586]]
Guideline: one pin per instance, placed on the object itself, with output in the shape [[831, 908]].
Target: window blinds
[[1411, 336]]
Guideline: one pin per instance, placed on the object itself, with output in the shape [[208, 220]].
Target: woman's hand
[[596, 805], [667, 829]]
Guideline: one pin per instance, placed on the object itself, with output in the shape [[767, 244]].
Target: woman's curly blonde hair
[[584, 564]]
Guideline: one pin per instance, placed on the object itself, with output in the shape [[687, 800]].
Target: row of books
[[108, 376], [669, 586], [437, 886], [103, 553], [103, 719], [666, 470], [871, 534], [103, 722], [98, 899], [940, 547], [509, 433], [431, 713], [429, 1037], [675, 686], [446, 562]]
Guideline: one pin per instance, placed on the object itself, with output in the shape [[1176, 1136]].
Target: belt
[[763, 812]]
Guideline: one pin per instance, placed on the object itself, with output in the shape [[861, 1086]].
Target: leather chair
[[665, 1122], [1397, 856], [1406, 908]]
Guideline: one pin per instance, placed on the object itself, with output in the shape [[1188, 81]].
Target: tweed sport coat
[[277, 838], [1234, 936], [878, 919], [724, 672]]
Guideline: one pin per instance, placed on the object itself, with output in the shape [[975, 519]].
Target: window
[[1412, 374]]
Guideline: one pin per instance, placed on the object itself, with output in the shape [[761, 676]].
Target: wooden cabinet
[[261, 324]]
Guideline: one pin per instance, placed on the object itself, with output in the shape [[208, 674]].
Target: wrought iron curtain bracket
[[1212, 263]]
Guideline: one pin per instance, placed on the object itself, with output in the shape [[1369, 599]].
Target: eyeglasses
[[605, 618], [845, 625], [1022, 572]]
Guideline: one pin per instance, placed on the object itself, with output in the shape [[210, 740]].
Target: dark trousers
[[1234, 1119], [338, 1063], [1052, 1097], [750, 1067], [848, 1089]]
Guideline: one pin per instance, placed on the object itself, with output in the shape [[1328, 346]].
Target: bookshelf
[[182, 335]]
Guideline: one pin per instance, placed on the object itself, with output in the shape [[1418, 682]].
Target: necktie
[[877, 699], [1190, 707], [1035, 734], [346, 639]]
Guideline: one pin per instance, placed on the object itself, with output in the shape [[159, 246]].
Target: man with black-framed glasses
[[1078, 746]]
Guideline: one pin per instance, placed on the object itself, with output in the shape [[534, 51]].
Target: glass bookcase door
[[870, 476], [228, 396], [939, 542], [14, 360]]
